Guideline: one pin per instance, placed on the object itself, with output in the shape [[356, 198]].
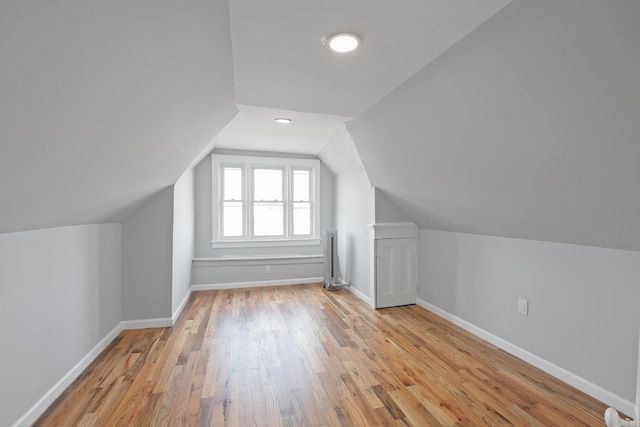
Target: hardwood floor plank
[[527, 419], [178, 413], [414, 411], [272, 409], [299, 355]]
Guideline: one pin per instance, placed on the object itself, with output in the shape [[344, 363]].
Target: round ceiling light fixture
[[343, 42], [283, 120]]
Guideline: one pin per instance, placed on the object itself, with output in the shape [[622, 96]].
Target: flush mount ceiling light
[[283, 120], [342, 42]]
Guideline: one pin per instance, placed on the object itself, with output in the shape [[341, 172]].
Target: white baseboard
[[360, 295], [176, 314], [165, 322], [237, 285], [54, 392], [562, 374]]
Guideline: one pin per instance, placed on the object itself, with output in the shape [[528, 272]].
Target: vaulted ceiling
[[282, 67], [516, 121], [280, 61], [103, 104], [527, 128]]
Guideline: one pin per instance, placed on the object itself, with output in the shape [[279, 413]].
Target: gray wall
[[583, 313], [354, 209], [147, 243], [183, 238], [59, 296], [387, 210], [339, 153], [206, 273], [637, 411]]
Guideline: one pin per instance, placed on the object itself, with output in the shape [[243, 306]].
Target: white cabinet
[[394, 263]]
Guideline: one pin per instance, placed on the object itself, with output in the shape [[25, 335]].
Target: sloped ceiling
[[281, 66], [280, 61], [254, 128], [340, 154], [527, 128], [104, 103]]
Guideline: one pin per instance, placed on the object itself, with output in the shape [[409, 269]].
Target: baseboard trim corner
[[54, 392], [360, 295], [128, 325], [238, 285], [183, 304], [556, 371]]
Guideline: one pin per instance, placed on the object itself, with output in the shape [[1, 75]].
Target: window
[[267, 211], [264, 201], [232, 201]]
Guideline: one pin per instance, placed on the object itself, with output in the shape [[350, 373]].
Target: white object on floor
[[612, 419]]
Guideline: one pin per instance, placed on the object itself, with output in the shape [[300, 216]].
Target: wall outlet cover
[[523, 306]]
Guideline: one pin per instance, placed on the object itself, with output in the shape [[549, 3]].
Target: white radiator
[[331, 273]]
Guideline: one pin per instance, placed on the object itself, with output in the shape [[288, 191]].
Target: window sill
[[215, 244], [234, 261]]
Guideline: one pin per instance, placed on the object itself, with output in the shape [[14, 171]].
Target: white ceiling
[[281, 64], [255, 128], [279, 59]]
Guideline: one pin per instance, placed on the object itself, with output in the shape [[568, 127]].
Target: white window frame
[[248, 164]]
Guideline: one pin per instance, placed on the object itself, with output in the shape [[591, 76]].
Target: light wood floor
[[302, 356]]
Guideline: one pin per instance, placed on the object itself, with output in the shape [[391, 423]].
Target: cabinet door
[[396, 272]]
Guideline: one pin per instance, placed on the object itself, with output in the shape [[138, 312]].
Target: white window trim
[[247, 163]]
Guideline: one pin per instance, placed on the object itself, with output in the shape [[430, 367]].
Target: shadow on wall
[[345, 259], [445, 289]]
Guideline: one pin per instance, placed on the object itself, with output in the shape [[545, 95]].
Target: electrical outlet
[[523, 306], [267, 269]]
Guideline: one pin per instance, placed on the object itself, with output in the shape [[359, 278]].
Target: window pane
[[232, 219], [301, 185], [268, 219], [301, 219], [232, 180], [267, 184]]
